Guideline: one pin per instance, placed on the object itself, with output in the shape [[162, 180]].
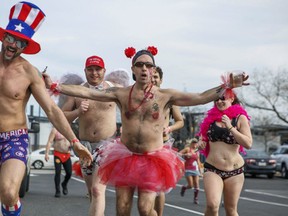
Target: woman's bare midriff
[[224, 156]]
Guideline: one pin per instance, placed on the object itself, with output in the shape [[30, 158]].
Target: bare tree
[[262, 130], [269, 92]]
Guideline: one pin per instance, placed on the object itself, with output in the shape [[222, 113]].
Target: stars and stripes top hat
[[24, 20]]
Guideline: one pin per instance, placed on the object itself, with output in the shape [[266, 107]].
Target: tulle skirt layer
[[157, 171]]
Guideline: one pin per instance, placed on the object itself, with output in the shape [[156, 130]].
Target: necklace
[[147, 95], [99, 87]]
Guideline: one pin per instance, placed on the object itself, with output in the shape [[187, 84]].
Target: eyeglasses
[[19, 43], [141, 64], [221, 98]]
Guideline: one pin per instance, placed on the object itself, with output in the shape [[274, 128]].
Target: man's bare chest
[[14, 87], [96, 105]]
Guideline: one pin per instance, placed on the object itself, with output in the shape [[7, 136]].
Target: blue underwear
[[14, 145]]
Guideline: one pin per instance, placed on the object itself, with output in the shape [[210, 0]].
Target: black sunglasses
[[141, 64], [220, 98], [20, 44]]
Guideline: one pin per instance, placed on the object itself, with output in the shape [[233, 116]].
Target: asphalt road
[[260, 197]]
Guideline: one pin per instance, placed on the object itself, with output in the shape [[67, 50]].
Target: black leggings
[[68, 170]]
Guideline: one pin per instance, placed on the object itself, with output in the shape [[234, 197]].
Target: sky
[[197, 40]]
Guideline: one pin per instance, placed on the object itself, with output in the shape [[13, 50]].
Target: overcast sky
[[197, 40]]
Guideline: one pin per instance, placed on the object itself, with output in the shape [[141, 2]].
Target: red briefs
[[62, 156], [156, 171]]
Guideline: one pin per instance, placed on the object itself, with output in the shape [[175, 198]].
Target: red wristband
[[74, 141], [53, 88]]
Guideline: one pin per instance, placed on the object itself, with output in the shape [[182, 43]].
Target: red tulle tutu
[[76, 167], [156, 171]]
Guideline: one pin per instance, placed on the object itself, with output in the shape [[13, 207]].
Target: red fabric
[[76, 167], [63, 156], [157, 171]]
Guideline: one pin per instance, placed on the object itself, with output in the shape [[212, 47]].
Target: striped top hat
[[24, 20]]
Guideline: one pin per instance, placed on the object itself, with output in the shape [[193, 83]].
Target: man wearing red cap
[[18, 80], [97, 123]]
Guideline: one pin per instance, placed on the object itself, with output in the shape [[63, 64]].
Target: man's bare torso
[[98, 122], [62, 145], [14, 94], [143, 129]]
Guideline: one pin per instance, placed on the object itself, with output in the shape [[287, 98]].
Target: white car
[[281, 155], [38, 159]]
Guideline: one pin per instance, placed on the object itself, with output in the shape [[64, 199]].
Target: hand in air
[[237, 79], [47, 80], [83, 154]]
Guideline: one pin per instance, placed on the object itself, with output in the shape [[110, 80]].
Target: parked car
[[281, 156], [38, 159], [258, 162]]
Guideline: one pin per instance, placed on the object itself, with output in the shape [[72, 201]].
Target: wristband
[[54, 88], [230, 128], [74, 141]]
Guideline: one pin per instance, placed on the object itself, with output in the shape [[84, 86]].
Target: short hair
[[159, 71]]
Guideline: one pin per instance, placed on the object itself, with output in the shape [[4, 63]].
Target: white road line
[[264, 193], [169, 205], [184, 209], [199, 213], [266, 202]]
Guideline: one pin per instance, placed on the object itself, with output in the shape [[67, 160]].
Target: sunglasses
[[20, 44], [220, 98], [141, 64]]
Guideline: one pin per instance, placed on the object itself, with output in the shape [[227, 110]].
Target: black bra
[[216, 133]]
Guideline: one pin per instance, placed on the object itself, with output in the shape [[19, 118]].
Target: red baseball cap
[[95, 60]]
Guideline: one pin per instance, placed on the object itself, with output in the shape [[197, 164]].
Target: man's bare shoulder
[[25, 66]]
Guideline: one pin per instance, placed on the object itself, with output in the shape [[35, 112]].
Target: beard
[[9, 53]]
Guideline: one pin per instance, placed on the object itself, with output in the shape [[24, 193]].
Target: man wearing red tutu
[[138, 160]]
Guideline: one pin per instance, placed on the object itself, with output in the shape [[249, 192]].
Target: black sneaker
[[57, 194], [183, 189], [64, 187]]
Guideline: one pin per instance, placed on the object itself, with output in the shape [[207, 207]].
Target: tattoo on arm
[[218, 90], [110, 90]]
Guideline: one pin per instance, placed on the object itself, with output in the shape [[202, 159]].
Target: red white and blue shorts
[[14, 145]]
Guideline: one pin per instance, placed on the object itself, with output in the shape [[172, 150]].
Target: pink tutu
[[157, 171]]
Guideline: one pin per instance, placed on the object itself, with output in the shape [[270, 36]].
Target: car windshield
[[253, 153]]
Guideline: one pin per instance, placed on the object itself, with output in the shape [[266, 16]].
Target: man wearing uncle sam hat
[[18, 80]]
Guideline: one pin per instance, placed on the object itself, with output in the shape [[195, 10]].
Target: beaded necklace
[[147, 95]]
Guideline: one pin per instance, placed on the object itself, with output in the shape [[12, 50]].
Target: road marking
[[166, 204], [261, 201], [199, 213], [264, 193], [183, 209]]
